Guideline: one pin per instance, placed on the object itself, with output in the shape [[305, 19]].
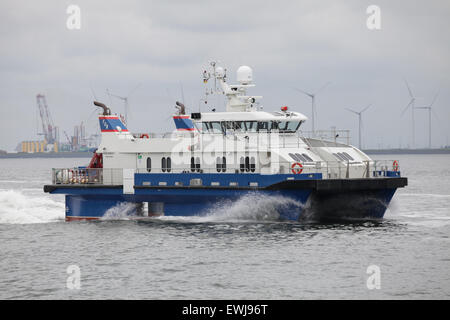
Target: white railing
[[329, 169], [106, 176]]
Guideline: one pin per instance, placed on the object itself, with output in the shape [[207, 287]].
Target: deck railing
[[328, 169], [107, 176]]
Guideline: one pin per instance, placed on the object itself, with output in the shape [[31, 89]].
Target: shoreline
[[408, 151], [23, 155]]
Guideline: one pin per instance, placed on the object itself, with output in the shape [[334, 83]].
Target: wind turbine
[[429, 117], [411, 104], [125, 100], [359, 119], [313, 106]]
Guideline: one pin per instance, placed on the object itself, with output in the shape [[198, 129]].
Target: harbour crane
[[48, 128]]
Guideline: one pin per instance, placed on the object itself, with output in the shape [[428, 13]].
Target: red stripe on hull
[[150, 215], [112, 117]]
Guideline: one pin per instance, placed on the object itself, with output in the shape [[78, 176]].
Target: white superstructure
[[243, 139]]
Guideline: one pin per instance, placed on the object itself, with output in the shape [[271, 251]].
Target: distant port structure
[[49, 132]]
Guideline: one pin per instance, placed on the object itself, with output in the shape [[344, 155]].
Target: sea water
[[236, 250]]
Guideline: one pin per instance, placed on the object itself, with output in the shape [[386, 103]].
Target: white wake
[[19, 208], [251, 207]]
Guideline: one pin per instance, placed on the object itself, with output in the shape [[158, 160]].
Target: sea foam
[[19, 208]]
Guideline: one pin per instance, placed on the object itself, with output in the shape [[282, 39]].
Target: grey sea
[[234, 252]]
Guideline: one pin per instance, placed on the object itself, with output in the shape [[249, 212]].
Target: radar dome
[[244, 75]]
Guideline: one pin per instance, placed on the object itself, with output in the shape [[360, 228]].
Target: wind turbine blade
[[351, 110], [116, 96], [365, 108], [93, 93], [323, 87], [435, 115], [434, 99], [304, 92], [406, 108], [109, 96], [409, 89], [132, 90]]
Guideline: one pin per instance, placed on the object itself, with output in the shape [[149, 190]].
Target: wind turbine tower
[[125, 101], [313, 105], [429, 117], [359, 120], [411, 104]]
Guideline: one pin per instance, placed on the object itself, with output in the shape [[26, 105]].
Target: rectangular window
[[239, 126], [274, 125], [251, 126], [289, 126], [263, 126], [215, 127]]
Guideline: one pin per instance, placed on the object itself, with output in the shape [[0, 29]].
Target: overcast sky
[[163, 45]]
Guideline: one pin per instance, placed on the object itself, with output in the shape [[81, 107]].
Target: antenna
[[359, 121], [313, 97]]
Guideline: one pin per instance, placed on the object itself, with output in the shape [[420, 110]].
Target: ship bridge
[[242, 122]]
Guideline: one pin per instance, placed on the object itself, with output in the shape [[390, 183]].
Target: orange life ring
[[395, 165], [145, 135], [297, 170]]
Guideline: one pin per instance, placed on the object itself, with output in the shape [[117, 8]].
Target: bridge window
[[239, 126], [215, 127], [149, 164], [163, 164], [192, 164], [227, 125], [263, 125], [169, 164], [289, 126], [251, 126], [274, 125]]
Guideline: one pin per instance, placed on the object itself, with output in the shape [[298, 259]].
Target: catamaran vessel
[[214, 158]]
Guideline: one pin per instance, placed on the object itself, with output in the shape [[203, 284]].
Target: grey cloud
[[164, 43]]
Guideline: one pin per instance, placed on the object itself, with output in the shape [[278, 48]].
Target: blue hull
[[295, 197], [176, 204]]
